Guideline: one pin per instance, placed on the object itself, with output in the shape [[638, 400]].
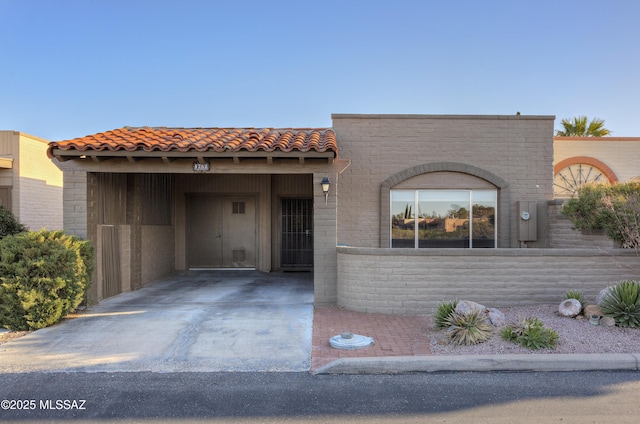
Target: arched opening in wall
[[572, 173], [443, 210]]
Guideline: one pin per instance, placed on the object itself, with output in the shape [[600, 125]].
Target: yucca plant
[[622, 303], [530, 333], [443, 311], [469, 329]]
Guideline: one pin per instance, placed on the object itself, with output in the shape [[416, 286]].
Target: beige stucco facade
[[30, 183], [620, 154], [616, 158]]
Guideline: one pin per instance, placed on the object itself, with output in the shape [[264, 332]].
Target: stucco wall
[[621, 154], [515, 149], [414, 281]]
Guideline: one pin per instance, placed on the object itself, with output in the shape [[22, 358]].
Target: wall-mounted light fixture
[[325, 188]]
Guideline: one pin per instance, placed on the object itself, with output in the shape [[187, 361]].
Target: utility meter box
[[527, 221]]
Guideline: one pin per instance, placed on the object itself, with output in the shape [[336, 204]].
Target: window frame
[[416, 217]]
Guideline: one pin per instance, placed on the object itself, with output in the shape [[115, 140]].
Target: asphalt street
[[594, 397]]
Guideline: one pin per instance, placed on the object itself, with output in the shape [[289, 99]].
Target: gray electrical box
[[527, 221]]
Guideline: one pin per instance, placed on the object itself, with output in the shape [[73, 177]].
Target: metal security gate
[[296, 225]]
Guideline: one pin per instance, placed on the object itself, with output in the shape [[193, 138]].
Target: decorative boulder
[[602, 294], [591, 310], [496, 317], [465, 307], [569, 308], [607, 322]]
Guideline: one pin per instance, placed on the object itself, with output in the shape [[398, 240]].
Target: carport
[[192, 321], [159, 200]]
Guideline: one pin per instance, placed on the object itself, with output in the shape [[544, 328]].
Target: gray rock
[[496, 317], [602, 294], [569, 307], [591, 310], [465, 307], [607, 322]]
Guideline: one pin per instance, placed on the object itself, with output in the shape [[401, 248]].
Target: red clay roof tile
[[149, 139]]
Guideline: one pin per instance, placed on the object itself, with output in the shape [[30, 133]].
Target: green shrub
[[614, 209], [469, 329], [443, 311], [577, 295], [44, 275], [530, 333], [622, 303], [9, 225]]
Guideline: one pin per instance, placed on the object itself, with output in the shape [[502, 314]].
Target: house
[[340, 201], [30, 184]]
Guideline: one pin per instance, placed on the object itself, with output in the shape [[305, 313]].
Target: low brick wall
[[414, 281]]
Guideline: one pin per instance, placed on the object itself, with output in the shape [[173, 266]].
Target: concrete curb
[[483, 363]]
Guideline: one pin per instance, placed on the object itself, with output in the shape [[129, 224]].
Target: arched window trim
[[504, 195]]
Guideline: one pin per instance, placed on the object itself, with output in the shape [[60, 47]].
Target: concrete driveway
[[194, 321]]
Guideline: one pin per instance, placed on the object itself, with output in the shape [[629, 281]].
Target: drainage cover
[[350, 341]]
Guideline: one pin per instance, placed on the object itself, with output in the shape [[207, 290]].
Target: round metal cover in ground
[[350, 341]]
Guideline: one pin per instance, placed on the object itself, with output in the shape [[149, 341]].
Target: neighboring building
[[30, 183], [578, 160], [377, 206]]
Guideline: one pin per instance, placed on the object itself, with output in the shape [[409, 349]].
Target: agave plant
[[469, 329], [530, 333], [622, 303], [443, 311]]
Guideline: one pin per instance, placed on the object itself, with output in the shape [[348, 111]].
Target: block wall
[[40, 185], [414, 281], [516, 149]]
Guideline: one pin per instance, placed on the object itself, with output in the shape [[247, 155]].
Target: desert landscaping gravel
[[575, 335]]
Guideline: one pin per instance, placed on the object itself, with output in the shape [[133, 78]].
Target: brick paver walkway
[[394, 335]]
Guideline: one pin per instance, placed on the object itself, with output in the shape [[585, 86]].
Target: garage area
[[194, 321]]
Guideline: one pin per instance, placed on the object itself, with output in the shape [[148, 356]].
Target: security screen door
[[221, 232], [296, 228]]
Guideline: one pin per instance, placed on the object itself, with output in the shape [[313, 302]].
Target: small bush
[[622, 303], [9, 225], [577, 295], [612, 208], [443, 312], [469, 329], [530, 333], [43, 276]]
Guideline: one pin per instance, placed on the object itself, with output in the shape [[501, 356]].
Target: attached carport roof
[[173, 143]]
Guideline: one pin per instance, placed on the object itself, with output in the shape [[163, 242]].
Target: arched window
[[444, 204]]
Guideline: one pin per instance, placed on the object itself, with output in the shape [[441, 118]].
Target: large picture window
[[443, 218]]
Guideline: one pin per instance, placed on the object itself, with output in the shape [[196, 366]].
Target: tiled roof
[[163, 139]]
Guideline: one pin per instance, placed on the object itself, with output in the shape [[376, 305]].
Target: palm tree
[[579, 127]]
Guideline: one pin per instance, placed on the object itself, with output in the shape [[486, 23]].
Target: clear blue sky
[[77, 67]]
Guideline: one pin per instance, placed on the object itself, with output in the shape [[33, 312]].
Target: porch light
[[325, 188]]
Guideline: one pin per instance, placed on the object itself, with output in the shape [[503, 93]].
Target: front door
[[296, 228], [221, 232]]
